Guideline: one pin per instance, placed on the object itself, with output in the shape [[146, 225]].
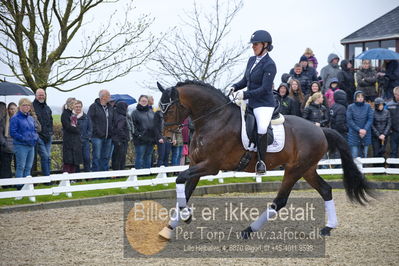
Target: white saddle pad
[[278, 132]]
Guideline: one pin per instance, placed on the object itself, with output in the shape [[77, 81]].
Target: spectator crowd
[[362, 105], [94, 141]]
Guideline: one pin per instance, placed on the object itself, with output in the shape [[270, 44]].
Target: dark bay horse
[[216, 145]]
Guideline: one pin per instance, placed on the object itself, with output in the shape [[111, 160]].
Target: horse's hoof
[[166, 233], [246, 232], [185, 215], [188, 221], [326, 231]]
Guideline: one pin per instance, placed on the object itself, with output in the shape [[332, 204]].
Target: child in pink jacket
[[330, 92]]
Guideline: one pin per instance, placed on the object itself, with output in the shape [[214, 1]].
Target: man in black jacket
[[338, 117], [304, 79], [346, 79], [120, 136], [306, 69], [338, 113], [45, 118], [101, 115], [392, 77]]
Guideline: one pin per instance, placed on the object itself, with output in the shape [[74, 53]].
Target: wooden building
[[380, 33]]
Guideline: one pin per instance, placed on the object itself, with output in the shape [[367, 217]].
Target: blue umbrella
[[123, 98], [379, 54]]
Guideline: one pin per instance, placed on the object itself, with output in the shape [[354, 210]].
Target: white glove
[[239, 95]]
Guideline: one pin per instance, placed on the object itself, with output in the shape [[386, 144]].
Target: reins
[[205, 115], [198, 118]]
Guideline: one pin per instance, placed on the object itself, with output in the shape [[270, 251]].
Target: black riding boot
[[262, 146]]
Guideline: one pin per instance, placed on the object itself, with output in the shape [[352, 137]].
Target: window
[[371, 45], [389, 44], [355, 49]]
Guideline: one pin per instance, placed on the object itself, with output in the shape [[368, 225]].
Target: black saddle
[[252, 129]]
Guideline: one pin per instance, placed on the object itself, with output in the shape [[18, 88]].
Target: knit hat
[[303, 58]]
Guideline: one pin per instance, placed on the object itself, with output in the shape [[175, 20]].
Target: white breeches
[[263, 115]]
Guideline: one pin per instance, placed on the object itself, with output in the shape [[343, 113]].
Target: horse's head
[[173, 111]]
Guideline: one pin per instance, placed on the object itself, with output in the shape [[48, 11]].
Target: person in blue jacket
[[25, 137], [258, 79], [359, 117]]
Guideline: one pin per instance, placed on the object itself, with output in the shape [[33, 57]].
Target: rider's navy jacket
[[259, 82]]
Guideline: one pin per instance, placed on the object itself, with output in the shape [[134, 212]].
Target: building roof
[[384, 27]]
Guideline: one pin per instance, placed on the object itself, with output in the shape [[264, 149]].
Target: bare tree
[[204, 53], [35, 35]]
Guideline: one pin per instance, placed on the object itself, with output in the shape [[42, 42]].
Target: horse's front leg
[[185, 186]]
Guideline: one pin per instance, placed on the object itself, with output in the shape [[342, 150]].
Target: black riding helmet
[[262, 36]]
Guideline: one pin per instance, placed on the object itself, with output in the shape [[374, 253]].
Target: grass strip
[[118, 191]]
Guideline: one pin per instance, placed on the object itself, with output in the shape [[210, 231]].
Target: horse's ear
[[160, 87], [174, 95]]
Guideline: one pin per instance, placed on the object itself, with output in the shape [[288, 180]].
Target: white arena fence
[[331, 167]]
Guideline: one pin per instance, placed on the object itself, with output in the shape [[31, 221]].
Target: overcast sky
[[294, 25]]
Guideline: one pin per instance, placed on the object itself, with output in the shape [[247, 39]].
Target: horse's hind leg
[[291, 176], [324, 189]]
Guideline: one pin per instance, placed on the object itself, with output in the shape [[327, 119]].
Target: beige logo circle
[[143, 224]]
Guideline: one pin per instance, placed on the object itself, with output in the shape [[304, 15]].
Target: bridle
[[165, 106], [164, 109]]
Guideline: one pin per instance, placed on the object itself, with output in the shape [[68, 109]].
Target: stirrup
[[260, 168]]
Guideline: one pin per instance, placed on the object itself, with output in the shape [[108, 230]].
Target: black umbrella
[[8, 88]]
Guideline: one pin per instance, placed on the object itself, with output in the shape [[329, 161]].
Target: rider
[[258, 79]]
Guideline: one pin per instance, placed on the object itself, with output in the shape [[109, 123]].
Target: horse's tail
[[355, 183]]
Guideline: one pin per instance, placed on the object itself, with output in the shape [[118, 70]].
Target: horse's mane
[[207, 86]]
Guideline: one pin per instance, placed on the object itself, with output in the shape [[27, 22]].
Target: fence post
[[162, 175], [64, 183], [258, 178], [221, 180], [391, 166], [28, 187], [359, 164], [131, 178]]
